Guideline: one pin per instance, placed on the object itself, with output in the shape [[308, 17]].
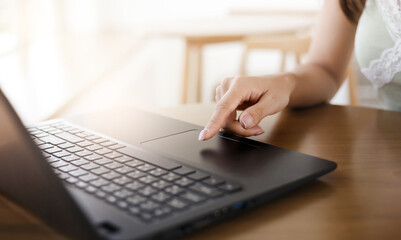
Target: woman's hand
[[258, 97]]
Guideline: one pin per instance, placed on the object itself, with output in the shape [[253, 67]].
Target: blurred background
[[64, 57]]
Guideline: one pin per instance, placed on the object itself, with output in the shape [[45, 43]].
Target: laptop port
[[238, 205], [108, 227]]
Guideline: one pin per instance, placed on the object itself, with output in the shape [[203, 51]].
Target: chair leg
[[353, 86], [199, 77], [283, 61], [244, 60]]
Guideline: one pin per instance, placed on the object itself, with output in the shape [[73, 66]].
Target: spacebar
[[163, 163]]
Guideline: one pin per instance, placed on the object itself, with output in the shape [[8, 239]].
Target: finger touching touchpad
[[220, 151]]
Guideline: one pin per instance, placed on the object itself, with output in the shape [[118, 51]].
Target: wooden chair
[[290, 43]]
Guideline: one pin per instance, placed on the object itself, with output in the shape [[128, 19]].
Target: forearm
[[312, 85]]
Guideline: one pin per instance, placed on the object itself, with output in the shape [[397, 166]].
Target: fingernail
[[202, 135], [260, 132], [247, 121]]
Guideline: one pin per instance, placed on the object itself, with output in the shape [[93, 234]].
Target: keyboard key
[[166, 164], [161, 197], [230, 187], [111, 175], [146, 167], [111, 188], [100, 194], [61, 154], [53, 150], [94, 147], [111, 199], [75, 131], [38, 142], [103, 161], [84, 143], [158, 172], [213, 181], [174, 190], [90, 166], [122, 204], [123, 159], [134, 163], [113, 155], [90, 189], [74, 149], [116, 146], [52, 159], [122, 180], [80, 162], [93, 157], [148, 179], [72, 180], [52, 139], [91, 138], [103, 151], [161, 212], [136, 174], [78, 173], [45, 146], [198, 176], [124, 170], [171, 177], [46, 155], [149, 205], [99, 182], [81, 184], [65, 145], [177, 204], [184, 170], [69, 137], [39, 135], [100, 171], [145, 216], [136, 199], [81, 135], [123, 193], [134, 210], [83, 153], [88, 177], [147, 191], [192, 197], [70, 158], [134, 185], [99, 140], [68, 168], [59, 164], [184, 182], [208, 191], [107, 143], [113, 165], [161, 184]]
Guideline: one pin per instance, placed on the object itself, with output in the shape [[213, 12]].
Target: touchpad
[[219, 152]]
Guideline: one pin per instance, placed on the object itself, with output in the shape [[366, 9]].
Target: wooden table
[[359, 200], [200, 32]]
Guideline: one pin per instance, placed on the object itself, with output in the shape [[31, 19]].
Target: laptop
[[130, 174]]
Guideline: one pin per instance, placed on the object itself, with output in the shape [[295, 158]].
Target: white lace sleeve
[[382, 70]]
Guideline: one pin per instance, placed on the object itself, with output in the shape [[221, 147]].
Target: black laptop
[[129, 174]]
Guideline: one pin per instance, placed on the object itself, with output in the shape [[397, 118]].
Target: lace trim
[[381, 71], [391, 13]]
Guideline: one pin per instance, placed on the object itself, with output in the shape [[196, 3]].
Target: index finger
[[224, 108]]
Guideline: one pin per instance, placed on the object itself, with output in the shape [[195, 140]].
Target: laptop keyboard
[[114, 173]]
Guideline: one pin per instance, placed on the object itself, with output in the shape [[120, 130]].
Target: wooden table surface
[[361, 199]]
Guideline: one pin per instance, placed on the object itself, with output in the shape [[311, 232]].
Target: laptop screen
[[27, 179]]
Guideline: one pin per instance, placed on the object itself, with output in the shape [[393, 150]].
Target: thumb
[[251, 116]]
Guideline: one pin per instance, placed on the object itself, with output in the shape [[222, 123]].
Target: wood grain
[[359, 200]]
